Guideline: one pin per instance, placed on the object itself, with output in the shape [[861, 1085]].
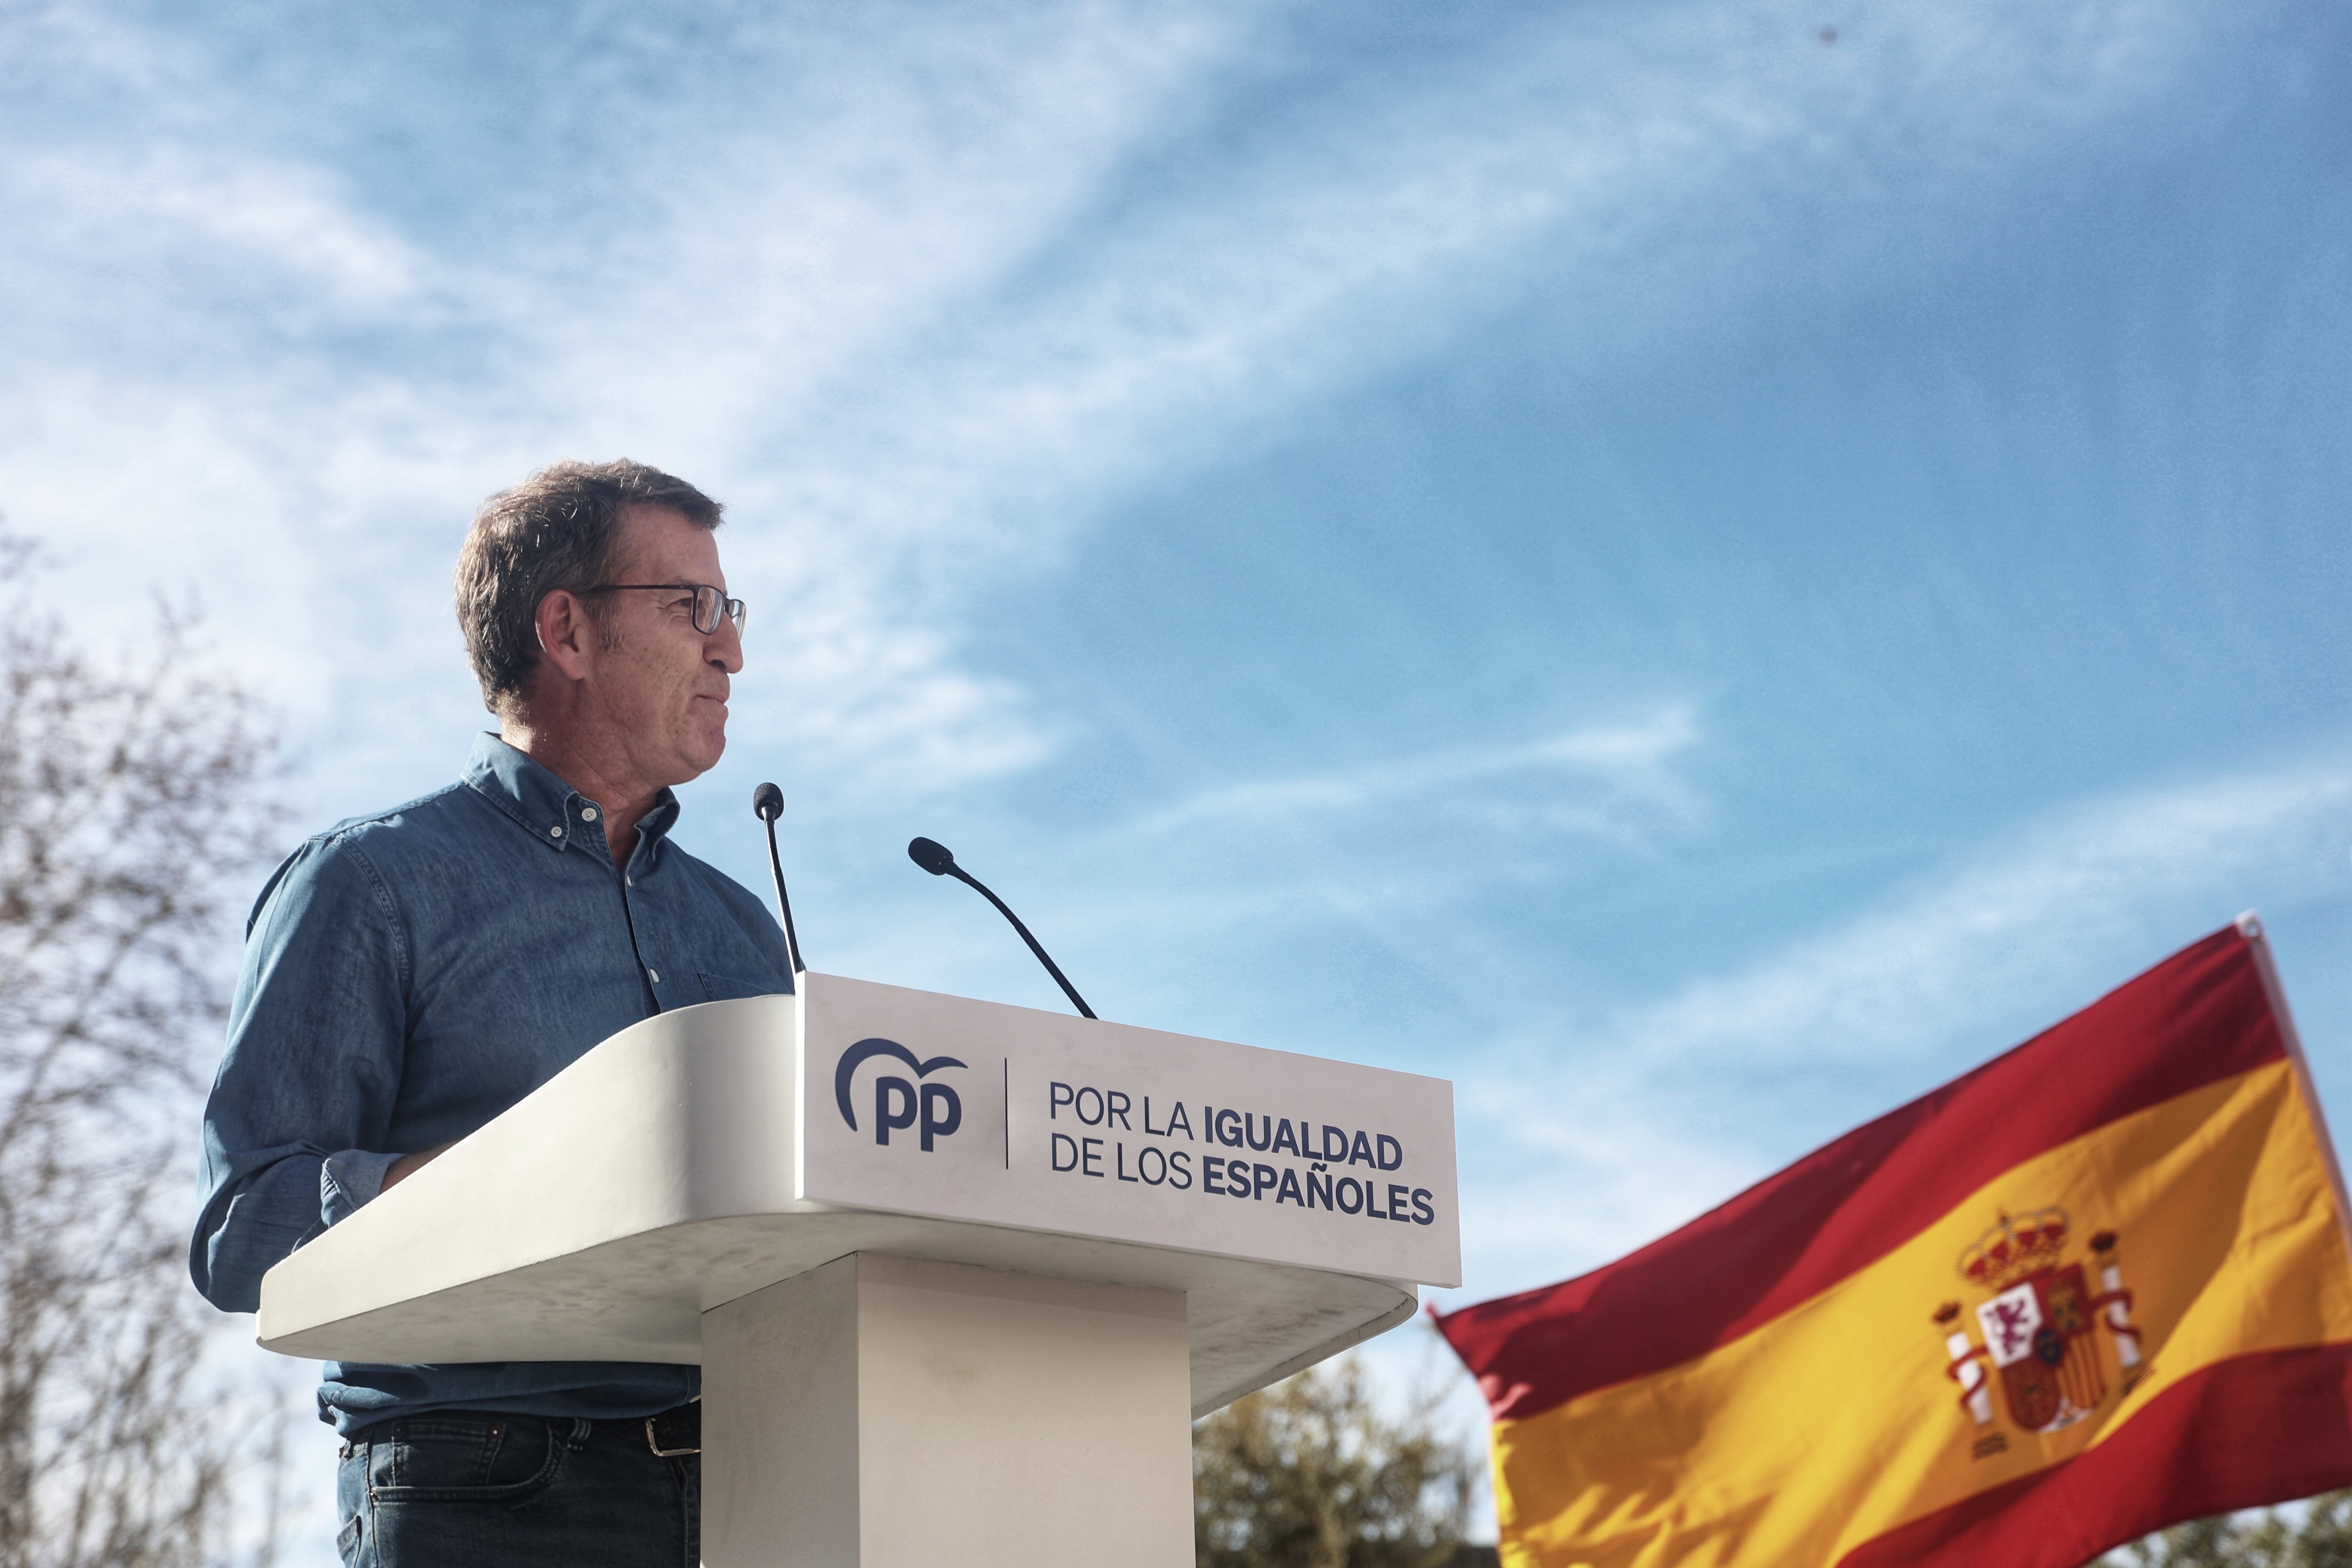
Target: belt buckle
[[654, 1440]]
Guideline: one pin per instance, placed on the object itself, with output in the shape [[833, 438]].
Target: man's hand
[[408, 1166]]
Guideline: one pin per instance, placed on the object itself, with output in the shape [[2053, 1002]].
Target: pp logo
[[896, 1102]]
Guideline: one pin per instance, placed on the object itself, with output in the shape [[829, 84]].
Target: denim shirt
[[407, 977]]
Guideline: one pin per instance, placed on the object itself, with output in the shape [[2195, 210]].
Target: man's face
[[661, 684]]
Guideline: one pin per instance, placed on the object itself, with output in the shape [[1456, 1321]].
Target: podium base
[[881, 1411]]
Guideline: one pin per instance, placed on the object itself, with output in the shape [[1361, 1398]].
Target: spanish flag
[[2095, 1287]]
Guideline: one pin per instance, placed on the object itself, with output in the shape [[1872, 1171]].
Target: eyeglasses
[[709, 603]]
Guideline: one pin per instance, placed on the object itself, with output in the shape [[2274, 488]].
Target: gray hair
[[557, 530]]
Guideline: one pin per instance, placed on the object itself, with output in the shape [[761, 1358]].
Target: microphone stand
[[768, 802], [939, 862]]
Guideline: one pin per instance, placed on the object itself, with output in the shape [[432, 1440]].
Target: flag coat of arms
[[2095, 1287]]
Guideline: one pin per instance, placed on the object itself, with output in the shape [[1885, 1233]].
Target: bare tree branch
[[132, 792]]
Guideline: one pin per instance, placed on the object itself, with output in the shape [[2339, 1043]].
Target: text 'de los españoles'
[[1112, 1135]]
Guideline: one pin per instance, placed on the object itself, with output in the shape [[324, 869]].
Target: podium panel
[[1078, 1127]]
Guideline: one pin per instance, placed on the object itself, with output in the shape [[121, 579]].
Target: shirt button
[[587, 814], [556, 831], [656, 973]]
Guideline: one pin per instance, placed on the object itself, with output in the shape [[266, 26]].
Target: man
[[409, 975]]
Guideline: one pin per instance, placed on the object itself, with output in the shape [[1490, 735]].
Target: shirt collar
[[549, 809]]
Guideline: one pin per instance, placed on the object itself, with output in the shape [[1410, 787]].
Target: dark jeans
[[473, 1490]]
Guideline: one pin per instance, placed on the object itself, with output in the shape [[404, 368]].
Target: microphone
[[940, 860], [767, 804]]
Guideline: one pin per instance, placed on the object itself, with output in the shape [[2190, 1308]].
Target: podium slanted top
[[713, 1151]]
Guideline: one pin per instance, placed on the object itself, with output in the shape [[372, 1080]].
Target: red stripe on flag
[[2241, 1433], [2200, 1017]]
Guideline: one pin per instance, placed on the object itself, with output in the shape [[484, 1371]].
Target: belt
[[671, 1433]]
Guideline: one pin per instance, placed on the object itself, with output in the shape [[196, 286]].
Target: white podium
[[958, 1274]]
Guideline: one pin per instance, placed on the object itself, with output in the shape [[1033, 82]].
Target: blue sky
[[1695, 568]]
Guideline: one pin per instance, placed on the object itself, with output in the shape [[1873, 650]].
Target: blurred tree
[[131, 789], [1310, 1474], [2317, 1535]]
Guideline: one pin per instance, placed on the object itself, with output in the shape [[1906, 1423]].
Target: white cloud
[[1395, 208], [1585, 1143], [1597, 1174], [2021, 922], [1613, 779], [904, 293], [233, 213], [1372, 854]]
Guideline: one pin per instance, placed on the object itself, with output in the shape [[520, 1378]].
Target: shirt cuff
[[348, 1180]]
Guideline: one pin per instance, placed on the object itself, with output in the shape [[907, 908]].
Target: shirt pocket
[[731, 987]]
